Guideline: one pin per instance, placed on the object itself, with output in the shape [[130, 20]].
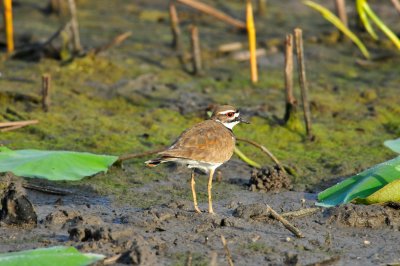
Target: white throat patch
[[230, 125]]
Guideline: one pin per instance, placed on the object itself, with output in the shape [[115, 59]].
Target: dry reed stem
[[341, 11], [285, 222], [112, 260], [196, 50], [47, 189], [301, 212], [291, 102], [214, 257], [7, 126], [189, 259], [251, 32], [265, 150], [230, 47], [298, 35], [261, 7], [176, 31], [213, 12], [74, 26], [46, 89], [246, 55], [396, 4], [227, 252], [8, 24]]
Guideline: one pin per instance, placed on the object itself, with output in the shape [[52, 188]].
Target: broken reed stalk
[[291, 103], [341, 11], [8, 25], [196, 51], [189, 259], [301, 212], [396, 4], [74, 26], [176, 31], [8, 126], [227, 252], [265, 150], [251, 32], [213, 12], [116, 41], [46, 89], [261, 7], [298, 35], [112, 260], [285, 222]]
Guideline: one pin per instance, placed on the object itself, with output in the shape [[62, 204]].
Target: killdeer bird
[[205, 146]]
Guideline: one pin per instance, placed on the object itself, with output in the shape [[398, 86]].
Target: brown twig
[[74, 26], [7, 126], [114, 42], [229, 47], [196, 52], [298, 35], [112, 260], [227, 252], [396, 4], [137, 155], [213, 12], [301, 212], [330, 261], [189, 259], [291, 102], [265, 150], [46, 88], [47, 190], [285, 222]]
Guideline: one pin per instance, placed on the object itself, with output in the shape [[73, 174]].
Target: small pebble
[[367, 242]]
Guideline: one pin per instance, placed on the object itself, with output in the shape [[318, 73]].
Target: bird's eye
[[230, 114]]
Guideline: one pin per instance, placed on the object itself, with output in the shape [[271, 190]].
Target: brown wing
[[208, 141]]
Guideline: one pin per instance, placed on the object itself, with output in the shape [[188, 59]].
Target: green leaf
[[53, 165], [60, 256], [381, 25], [394, 145], [328, 15], [361, 185], [389, 193]]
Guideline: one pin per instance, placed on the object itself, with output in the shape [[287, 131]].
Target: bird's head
[[228, 115]]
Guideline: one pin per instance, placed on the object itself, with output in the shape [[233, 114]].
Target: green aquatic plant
[[366, 15], [53, 165], [66, 256], [380, 183]]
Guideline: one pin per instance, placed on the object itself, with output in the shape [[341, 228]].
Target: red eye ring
[[230, 114]]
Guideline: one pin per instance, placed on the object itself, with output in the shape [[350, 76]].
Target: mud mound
[[67, 218], [367, 216], [269, 179], [16, 208]]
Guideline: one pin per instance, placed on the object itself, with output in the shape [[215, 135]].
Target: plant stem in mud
[[227, 252], [176, 31], [298, 35], [46, 89], [196, 50], [261, 7], [251, 32], [285, 222], [341, 11], [74, 26], [8, 25], [396, 4], [291, 102]]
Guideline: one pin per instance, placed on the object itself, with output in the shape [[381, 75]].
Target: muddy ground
[[136, 97]]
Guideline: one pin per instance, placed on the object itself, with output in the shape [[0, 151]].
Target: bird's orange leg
[[210, 179], [193, 183]]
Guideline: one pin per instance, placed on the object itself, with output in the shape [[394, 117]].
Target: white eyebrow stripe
[[227, 111]]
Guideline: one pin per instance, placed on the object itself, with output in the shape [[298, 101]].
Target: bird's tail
[[154, 162]]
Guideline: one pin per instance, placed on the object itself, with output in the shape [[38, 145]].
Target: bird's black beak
[[242, 120]]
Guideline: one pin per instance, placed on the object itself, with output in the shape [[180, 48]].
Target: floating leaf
[[390, 192], [60, 256], [53, 165], [328, 15], [361, 185], [394, 145]]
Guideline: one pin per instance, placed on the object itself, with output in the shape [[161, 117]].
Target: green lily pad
[[53, 165], [394, 145], [361, 185], [60, 256]]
